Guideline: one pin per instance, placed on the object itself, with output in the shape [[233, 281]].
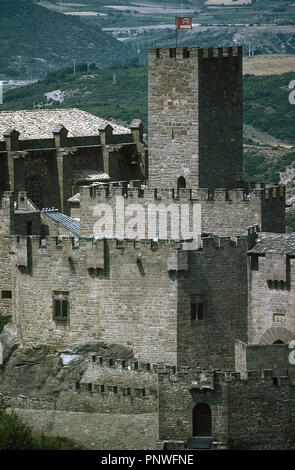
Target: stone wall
[[261, 414], [86, 393], [115, 293], [251, 413], [220, 117], [273, 357], [97, 431], [15, 215], [6, 224], [271, 310], [5, 277], [178, 395], [223, 212], [195, 116], [217, 279]]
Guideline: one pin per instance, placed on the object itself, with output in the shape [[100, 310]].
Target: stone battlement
[[101, 192], [198, 378], [133, 365], [193, 52], [116, 390], [54, 245], [72, 243], [222, 242]]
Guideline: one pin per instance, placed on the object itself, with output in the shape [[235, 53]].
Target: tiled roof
[[274, 243], [40, 123], [67, 222], [90, 176]]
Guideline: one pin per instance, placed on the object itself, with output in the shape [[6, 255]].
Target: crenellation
[[156, 328], [195, 52], [115, 391], [197, 378], [124, 364], [105, 191], [224, 242]]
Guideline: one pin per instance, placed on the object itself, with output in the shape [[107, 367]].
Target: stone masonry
[[126, 337], [195, 117]]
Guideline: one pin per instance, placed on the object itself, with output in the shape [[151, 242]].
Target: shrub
[[44, 442], [15, 434]]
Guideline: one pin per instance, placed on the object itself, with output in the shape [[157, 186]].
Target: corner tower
[[195, 112]]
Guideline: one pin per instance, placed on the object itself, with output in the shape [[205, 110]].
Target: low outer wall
[[97, 431]]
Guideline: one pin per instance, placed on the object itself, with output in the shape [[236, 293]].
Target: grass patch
[[15, 434]]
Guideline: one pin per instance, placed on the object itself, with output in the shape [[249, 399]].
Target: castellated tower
[[195, 117]]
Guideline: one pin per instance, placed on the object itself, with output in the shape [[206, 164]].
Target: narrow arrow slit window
[[61, 306]]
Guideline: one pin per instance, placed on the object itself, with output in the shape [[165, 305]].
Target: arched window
[[34, 189], [202, 420], [278, 341], [181, 183]]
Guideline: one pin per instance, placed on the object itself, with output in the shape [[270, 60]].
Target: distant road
[[156, 26], [203, 27]]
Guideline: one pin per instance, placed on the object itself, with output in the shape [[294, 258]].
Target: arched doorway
[[278, 341], [202, 420], [181, 183], [34, 189], [276, 333]]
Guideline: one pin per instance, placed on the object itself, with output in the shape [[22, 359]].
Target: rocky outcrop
[[95, 393], [8, 342], [45, 371]]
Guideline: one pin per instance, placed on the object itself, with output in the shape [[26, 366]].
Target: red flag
[[184, 23]]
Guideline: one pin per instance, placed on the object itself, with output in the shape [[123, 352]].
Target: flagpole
[[176, 28]]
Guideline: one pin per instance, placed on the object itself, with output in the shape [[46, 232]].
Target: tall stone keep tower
[[195, 117]]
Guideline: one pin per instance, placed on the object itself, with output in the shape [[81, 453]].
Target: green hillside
[[35, 40], [94, 92], [267, 107], [121, 94]]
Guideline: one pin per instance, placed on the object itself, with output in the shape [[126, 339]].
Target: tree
[[15, 434]]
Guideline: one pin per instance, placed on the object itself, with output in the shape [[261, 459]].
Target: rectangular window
[[60, 309], [29, 228], [6, 294], [197, 312], [61, 306], [254, 262]]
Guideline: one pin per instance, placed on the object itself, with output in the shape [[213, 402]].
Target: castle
[[171, 342]]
